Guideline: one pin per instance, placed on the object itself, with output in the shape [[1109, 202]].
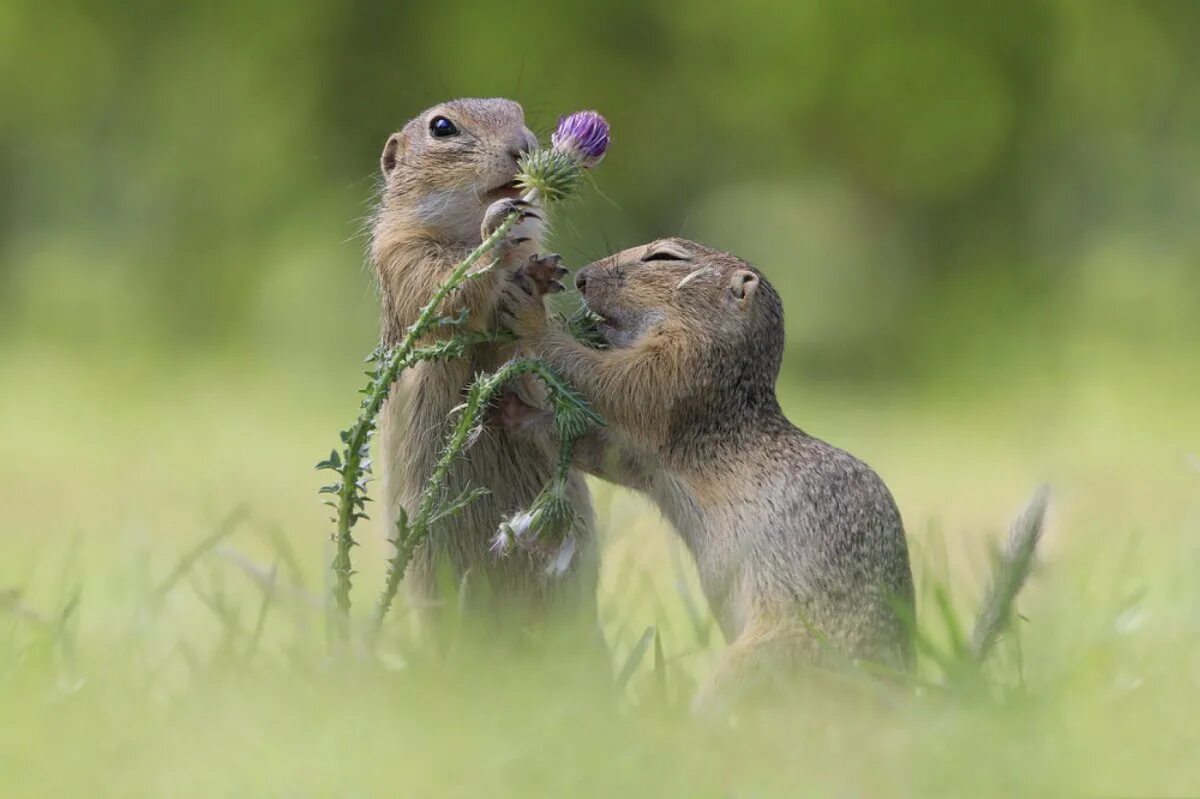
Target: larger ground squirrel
[[799, 546], [448, 182]]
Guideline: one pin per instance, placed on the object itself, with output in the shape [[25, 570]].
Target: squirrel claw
[[543, 273]]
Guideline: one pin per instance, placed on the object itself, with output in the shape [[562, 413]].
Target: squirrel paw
[[511, 413], [520, 309], [526, 233], [541, 275]]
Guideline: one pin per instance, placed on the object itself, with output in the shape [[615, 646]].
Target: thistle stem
[[481, 392], [350, 493]]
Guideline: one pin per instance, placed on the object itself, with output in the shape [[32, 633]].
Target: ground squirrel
[[799, 546], [447, 181]]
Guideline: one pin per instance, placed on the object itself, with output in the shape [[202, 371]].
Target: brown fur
[[437, 193], [799, 546]]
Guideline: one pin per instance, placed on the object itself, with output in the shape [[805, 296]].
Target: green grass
[[162, 573]]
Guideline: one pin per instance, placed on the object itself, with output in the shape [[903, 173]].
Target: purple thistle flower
[[584, 135]]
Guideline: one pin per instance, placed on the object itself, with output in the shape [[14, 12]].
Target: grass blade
[[189, 559], [260, 623], [1011, 572], [635, 656]]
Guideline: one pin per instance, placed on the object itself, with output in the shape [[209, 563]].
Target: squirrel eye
[[440, 128], [662, 255]]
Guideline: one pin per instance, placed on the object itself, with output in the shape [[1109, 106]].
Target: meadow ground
[[130, 668]]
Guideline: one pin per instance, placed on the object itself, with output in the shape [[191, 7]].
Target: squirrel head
[[446, 166], [719, 305]]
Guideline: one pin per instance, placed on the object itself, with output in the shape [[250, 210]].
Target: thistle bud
[[584, 136], [502, 541], [544, 529], [521, 526], [578, 143]]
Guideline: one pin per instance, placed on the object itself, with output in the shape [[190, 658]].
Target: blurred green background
[[937, 188], [982, 218]]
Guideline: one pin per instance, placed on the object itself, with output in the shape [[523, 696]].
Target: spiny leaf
[[448, 509]]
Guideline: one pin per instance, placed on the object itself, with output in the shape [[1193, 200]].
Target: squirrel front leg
[[631, 387], [597, 452], [412, 269], [480, 293]]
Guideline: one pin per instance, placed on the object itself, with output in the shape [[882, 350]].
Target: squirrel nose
[[520, 145]]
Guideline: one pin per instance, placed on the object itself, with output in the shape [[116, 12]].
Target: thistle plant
[[572, 416], [545, 527], [583, 325], [554, 174]]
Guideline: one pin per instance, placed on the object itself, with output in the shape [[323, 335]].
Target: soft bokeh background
[[983, 219]]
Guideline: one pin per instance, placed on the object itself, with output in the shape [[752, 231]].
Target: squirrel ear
[[391, 152], [742, 285]]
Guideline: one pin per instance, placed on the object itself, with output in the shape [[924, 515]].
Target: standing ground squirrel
[[447, 183], [799, 546]]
